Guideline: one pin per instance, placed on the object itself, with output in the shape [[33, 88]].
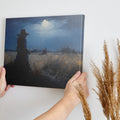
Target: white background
[[102, 22]]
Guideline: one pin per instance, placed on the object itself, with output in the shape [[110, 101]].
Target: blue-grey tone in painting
[[43, 51]]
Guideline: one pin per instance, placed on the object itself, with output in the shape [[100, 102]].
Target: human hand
[[71, 99], [3, 85], [71, 93]]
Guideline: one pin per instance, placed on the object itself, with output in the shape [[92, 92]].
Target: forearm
[[59, 111]]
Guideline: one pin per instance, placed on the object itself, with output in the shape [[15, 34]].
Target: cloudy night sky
[[52, 33]]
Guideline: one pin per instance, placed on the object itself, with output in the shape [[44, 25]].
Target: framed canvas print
[[43, 51]]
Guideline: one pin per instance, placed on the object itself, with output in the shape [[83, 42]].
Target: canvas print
[[43, 51]]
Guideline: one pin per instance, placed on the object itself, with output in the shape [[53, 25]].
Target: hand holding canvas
[[64, 107], [3, 85], [71, 92]]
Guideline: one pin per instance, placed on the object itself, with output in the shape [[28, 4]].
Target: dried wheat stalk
[[86, 110], [108, 84]]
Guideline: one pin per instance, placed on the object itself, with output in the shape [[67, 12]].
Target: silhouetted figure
[[22, 55], [21, 63], [44, 51]]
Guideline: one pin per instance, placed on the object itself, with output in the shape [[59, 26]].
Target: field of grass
[[52, 69]]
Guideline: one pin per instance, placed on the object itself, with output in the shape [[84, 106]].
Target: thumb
[[3, 73], [2, 82], [75, 76]]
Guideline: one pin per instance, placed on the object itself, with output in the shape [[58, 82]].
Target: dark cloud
[[66, 31]]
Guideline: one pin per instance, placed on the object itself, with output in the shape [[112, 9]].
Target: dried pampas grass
[[86, 110], [108, 84]]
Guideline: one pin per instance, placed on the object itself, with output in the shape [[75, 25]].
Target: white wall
[[102, 22]]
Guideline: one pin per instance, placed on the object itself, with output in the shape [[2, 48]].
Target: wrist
[[71, 101], [67, 105]]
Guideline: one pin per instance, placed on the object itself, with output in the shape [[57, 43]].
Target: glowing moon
[[46, 24]]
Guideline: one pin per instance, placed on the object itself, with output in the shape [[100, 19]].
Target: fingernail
[[78, 72], [12, 85], [3, 69]]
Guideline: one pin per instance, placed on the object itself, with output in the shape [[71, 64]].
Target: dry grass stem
[[108, 84], [86, 110]]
